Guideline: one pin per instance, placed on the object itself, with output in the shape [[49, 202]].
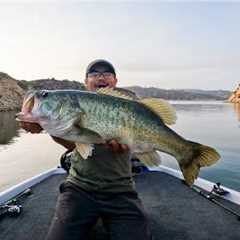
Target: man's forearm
[[67, 144]]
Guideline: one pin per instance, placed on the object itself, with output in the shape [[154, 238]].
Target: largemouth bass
[[88, 118]]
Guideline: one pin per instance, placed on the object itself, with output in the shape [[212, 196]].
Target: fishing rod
[[216, 190], [12, 207]]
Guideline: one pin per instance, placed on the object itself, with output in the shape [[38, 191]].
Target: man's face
[[101, 77]]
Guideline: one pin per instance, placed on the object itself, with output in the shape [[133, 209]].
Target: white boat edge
[[233, 196], [13, 191]]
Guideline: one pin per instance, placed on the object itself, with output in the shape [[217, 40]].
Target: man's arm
[[31, 127], [112, 144], [36, 128]]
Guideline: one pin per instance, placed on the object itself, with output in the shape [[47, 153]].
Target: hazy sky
[[151, 43]]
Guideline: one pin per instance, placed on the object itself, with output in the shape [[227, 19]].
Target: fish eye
[[44, 94]]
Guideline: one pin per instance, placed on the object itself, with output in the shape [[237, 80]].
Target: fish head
[[46, 106]]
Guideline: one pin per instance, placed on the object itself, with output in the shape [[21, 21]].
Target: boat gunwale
[[10, 193], [13, 191], [232, 196]]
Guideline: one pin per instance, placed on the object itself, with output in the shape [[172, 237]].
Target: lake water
[[23, 155]]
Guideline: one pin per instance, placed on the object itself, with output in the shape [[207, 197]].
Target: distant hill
[[12, 91], [50, 84], [11, 94], [181, 94]]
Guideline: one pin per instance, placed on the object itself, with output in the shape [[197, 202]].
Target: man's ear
[[85, 80], [115, 81]]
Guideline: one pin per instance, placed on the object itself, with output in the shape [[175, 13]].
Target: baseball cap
[[100, 62]]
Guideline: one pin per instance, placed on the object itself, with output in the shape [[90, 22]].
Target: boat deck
[[176, 212]]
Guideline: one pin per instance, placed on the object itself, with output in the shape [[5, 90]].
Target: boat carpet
[[176, 212]]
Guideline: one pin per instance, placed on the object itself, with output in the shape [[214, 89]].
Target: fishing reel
[[218, 190], [12, 210]]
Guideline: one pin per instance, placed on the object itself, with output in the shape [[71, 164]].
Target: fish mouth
[[26, 115], [28, 103]]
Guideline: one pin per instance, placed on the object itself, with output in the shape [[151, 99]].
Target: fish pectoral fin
[[162, 108], [85, 150], [117, 92], [89, 136], [150, 159]]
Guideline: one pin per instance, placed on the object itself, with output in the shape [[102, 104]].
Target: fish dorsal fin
[[116, 93], [162, 108]]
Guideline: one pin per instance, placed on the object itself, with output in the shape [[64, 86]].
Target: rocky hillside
[[11, 94], [181, 94], [12, 91], [50, 84]]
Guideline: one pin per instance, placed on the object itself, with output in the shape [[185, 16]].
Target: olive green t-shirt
[[104, 171]]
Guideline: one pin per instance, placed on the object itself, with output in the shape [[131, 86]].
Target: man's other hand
[[116, 147], [31, 127]]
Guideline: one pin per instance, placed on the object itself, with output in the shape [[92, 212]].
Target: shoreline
[[5, 109]]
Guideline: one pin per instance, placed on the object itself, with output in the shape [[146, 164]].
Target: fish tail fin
[[202, 156]]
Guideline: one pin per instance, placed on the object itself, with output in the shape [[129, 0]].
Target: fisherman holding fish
[[99, 184], [106, 127]]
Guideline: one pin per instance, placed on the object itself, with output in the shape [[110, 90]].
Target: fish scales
[[110, 115]]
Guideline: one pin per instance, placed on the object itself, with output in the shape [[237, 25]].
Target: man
[[100, 186]]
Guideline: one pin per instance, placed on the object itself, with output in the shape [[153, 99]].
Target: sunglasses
[[99, 74]]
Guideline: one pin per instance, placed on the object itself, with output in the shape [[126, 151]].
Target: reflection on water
[[237, 110], [195, 106], [8, 127], [24, 155]]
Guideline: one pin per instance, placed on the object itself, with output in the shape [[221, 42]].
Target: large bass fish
[[89, 118]]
